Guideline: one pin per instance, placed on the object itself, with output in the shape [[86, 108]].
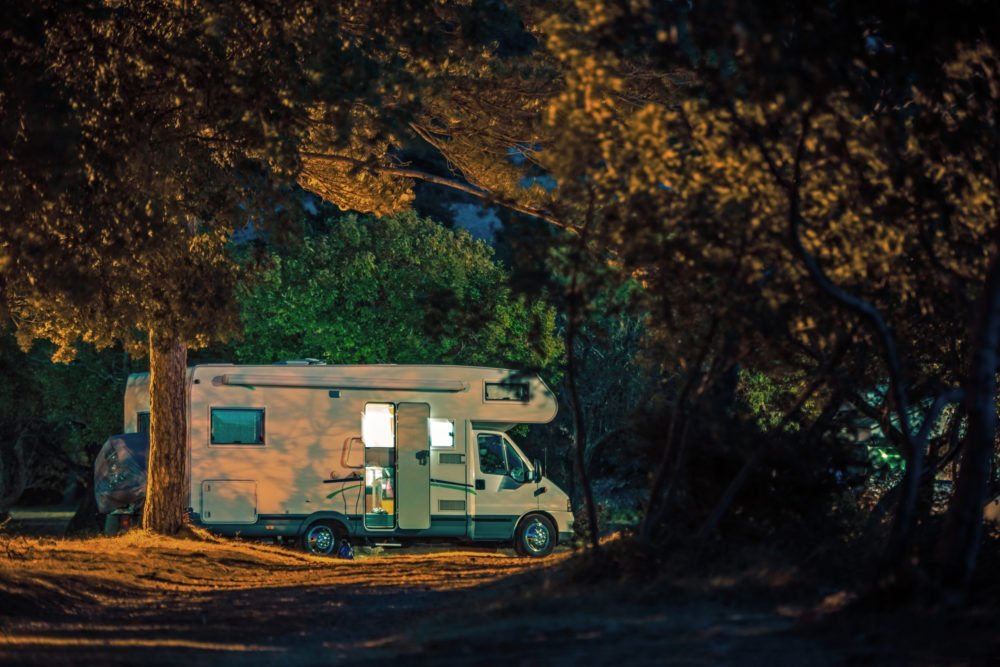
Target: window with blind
[[237, 426]]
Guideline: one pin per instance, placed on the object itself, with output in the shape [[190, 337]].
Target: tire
[[535, 536], [322, 539]]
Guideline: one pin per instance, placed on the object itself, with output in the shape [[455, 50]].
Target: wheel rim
[[536, 537], [320, 540]]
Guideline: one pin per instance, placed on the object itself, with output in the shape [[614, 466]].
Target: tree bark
[[167, 484], [579, 433], [959, 546], [11, 492]]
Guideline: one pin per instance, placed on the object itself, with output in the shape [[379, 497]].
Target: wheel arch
[[325, 517], [526, 534]]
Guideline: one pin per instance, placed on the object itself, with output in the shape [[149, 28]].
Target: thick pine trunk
[[959, 545], [166, 487]]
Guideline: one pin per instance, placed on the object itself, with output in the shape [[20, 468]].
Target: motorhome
[[378, 453]]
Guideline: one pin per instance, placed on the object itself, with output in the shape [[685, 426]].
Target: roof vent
[[308, 361]]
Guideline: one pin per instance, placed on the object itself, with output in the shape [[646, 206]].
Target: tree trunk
[[658, 516], [579, 434], [959, 546], [167, 484], [17, 478], [84, 521], [665, 470]]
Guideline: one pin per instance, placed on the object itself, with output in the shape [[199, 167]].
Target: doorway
[[397, 465], [378, 432]]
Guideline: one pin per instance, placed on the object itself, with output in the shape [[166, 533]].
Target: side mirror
[[538, 470]]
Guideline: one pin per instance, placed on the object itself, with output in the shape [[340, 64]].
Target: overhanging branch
[[417, 174]]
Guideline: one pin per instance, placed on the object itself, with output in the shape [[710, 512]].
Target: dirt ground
[[138, 599]]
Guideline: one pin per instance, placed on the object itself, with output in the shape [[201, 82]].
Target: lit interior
[[442, 432], [377, 425]]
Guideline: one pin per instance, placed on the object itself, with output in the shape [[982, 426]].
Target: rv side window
[[142, 422], [491, 454], [507, 391], [442, 432], [237, 426]]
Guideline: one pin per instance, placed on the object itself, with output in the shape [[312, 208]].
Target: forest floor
[[138, 599]]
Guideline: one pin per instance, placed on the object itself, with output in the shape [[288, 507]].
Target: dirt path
[[136, 600], [156, 601]]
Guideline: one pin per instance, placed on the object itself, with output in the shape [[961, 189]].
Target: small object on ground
[[346, 551]]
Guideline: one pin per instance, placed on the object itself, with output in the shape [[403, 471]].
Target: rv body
[[376, 452]]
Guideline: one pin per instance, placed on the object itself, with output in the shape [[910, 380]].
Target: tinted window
[[237, 426], [506, 391]]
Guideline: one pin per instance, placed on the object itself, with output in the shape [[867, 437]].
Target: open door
[[378, 433], [413, 466]]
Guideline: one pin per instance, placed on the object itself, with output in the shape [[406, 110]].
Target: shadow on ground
[[141, 599]]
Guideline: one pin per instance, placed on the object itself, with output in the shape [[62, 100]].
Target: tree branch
[[947, 396], [421, 175], [849, 301], [901, 528]]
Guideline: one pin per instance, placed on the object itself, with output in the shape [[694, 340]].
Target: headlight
[[569, 505]]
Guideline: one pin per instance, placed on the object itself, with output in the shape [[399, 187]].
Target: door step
[[388, 544]]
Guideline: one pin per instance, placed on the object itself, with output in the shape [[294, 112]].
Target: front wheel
[[321, 539], [535, 536]]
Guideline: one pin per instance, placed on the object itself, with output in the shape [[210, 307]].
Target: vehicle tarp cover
[[120, 472]]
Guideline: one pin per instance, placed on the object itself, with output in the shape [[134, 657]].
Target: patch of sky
[[481, 222], [245, 235], [518, 155]]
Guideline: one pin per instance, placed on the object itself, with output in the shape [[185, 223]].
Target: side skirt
[[292, 525]]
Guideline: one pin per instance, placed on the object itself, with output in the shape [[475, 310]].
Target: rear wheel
[[535, 536], [322, 538]]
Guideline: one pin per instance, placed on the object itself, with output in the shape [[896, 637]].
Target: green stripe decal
[[346, 488], [444, 485], [454, 487]]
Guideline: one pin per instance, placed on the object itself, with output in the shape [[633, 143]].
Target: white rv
[[382, 452]]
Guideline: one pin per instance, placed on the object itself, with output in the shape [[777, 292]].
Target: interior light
[[377, 425]]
